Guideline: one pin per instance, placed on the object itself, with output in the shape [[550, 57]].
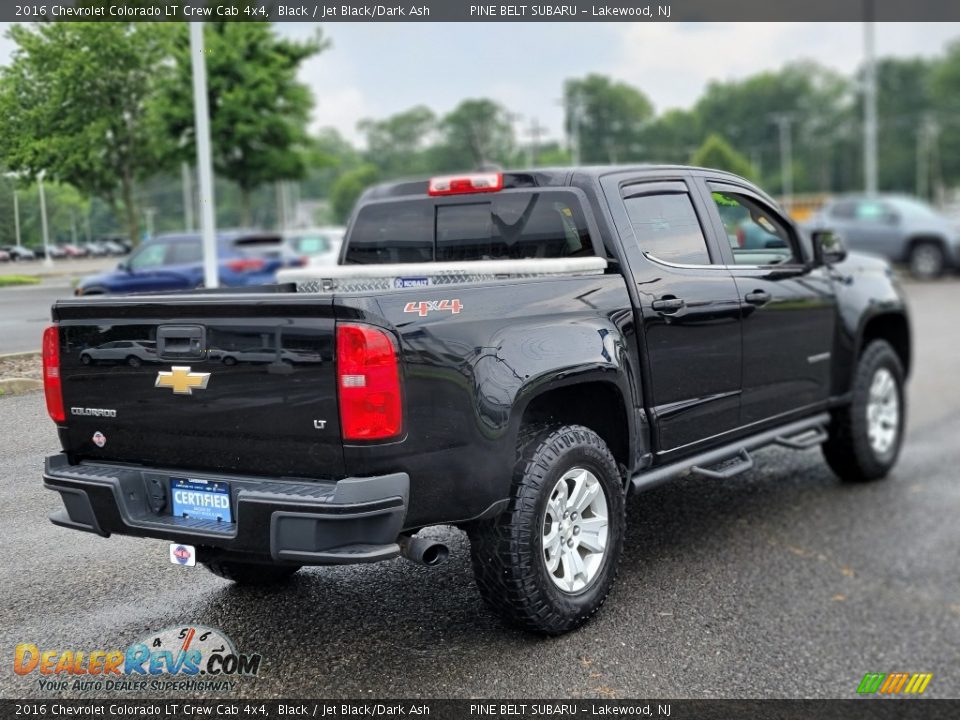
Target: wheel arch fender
[[596, 398], [877, 323]]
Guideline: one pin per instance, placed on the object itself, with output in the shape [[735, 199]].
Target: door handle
[[757, 297], [667, 304]]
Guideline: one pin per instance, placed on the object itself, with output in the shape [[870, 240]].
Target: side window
[[755, 234], [186, 252], [667, 228], [844, 210], [149, 256], [873, 211]]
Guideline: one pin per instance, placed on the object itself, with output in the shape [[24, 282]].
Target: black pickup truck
[[510, 353]]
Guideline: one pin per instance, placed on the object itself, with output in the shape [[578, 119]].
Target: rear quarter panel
[[469, 375]]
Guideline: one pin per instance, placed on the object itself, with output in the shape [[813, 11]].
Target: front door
[[789, 307]]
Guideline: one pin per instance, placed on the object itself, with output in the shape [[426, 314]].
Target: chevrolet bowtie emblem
[[182, 380]]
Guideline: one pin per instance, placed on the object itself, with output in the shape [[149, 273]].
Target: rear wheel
[[927, 260], [547, 563], [244, 573], [134, 361], [866, 435]]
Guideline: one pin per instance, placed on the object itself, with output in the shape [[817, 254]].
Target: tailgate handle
[[181, 342]]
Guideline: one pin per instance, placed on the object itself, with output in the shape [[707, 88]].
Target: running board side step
[[735, 458], [740, 463]]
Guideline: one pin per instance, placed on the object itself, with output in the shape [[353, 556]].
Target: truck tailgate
[[216, 383]]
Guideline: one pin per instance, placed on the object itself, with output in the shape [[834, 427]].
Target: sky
[[376, 69]]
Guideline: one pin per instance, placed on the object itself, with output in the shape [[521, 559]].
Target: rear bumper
[[354, 520]]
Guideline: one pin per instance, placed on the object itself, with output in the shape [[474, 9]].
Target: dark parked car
[[897, 227], [18, 252], [56, 252], [175, 262], [538, 345]]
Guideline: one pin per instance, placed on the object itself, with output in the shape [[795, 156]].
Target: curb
[[19, 386], [17, 355]]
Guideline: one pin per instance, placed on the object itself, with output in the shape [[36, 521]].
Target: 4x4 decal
[[425, 307]]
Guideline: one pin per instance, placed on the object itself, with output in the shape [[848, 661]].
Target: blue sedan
[[175, 262]]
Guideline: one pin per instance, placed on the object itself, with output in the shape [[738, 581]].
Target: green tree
[[396, 144], [258, 109], [474, 134], [815, 103], [904, 104], [348, 188], [671, 137], [607, 118], [340, 157], [74, 103], [718, 154], [944, 126]]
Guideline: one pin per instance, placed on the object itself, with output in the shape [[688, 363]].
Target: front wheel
[[927, 260], [865, 436], [547, 563]]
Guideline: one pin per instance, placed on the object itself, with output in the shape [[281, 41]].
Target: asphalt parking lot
[[779, 583], [25, 309]]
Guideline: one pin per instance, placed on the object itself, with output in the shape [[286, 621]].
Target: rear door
[[689, 307], [171, 262], [270, 409], [788, 307]]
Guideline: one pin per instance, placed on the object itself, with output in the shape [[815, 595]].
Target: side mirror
[[828, 247], [123, 266]]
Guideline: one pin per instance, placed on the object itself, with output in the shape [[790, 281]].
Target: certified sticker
[[99, 439]]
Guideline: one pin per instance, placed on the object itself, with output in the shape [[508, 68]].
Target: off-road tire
[[507, 552], [244, 573], [847, 450]]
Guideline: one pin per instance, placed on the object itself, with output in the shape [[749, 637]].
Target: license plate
[[201, 499]]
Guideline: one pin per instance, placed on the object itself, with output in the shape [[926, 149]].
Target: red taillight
[[51, 374], [463, 184], [368, 380], [246, 264], [741, 237]]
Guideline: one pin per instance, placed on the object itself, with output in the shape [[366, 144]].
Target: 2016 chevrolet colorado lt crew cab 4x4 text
[[511, 353]]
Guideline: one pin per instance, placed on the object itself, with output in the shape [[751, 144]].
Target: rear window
[[505, 226]]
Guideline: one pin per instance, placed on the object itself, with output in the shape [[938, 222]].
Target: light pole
[[47, 260], [869, 103], [187, 197], [16, 214], [201, 119], [150, 212], [783, 120], [12, 177]]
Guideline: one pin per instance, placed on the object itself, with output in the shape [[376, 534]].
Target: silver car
[[898, 227]]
